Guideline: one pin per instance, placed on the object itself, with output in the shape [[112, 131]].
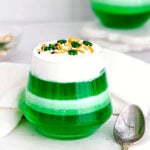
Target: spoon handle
[[125, 146]]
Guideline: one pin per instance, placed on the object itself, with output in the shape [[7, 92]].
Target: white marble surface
[[119, 40]]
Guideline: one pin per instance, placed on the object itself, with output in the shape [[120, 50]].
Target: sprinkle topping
[[70, 46], [72, 52], [75, 44], [62, 41], [87, 43]]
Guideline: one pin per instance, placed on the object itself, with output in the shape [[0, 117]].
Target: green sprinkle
[[72, 52], [63, 41], [53, 47], [47, 48], [75, 44], [87, 43], [50, 46]]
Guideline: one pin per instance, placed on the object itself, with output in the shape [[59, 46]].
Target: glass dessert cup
[[121, 14], [63, 100]]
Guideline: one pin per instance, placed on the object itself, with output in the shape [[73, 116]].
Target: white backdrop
[[45, 10]]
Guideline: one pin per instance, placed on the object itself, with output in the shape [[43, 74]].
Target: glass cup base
[[66, 127]]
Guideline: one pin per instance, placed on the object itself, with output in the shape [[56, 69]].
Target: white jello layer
[[69, 107], [65, 67]]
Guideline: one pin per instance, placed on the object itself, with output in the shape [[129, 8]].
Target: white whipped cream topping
[[65, 67]]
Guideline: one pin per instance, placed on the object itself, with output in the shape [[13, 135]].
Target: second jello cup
[[67, 93], [122, 14]]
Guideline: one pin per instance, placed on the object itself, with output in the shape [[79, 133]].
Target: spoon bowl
[[130, 126]]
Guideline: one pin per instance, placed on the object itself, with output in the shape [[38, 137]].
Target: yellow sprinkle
[[91, 49], [59, 46], [79, 41], [71, 39], [80, 50], [66, 50], [59, 52], [86, 47], [43, 44], [68, 45]]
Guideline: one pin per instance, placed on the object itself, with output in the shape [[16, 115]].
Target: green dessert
[[67, 93], [121, 14]]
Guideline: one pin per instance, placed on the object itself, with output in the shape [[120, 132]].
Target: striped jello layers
[[64, 84]]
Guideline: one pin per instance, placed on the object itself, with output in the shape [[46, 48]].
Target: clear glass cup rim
[[123, 2]]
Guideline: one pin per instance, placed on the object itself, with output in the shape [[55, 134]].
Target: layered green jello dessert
[[67, 93], [122, 14]]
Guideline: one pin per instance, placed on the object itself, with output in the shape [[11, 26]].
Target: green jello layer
[[67, 91], [71, 121]]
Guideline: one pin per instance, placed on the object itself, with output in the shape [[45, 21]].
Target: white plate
[[118, 66]]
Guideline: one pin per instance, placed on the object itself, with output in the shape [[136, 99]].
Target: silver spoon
[[130, 126]]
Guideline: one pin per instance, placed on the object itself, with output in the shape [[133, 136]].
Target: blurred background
[[45, 20], [45, 10], [39, 21]]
